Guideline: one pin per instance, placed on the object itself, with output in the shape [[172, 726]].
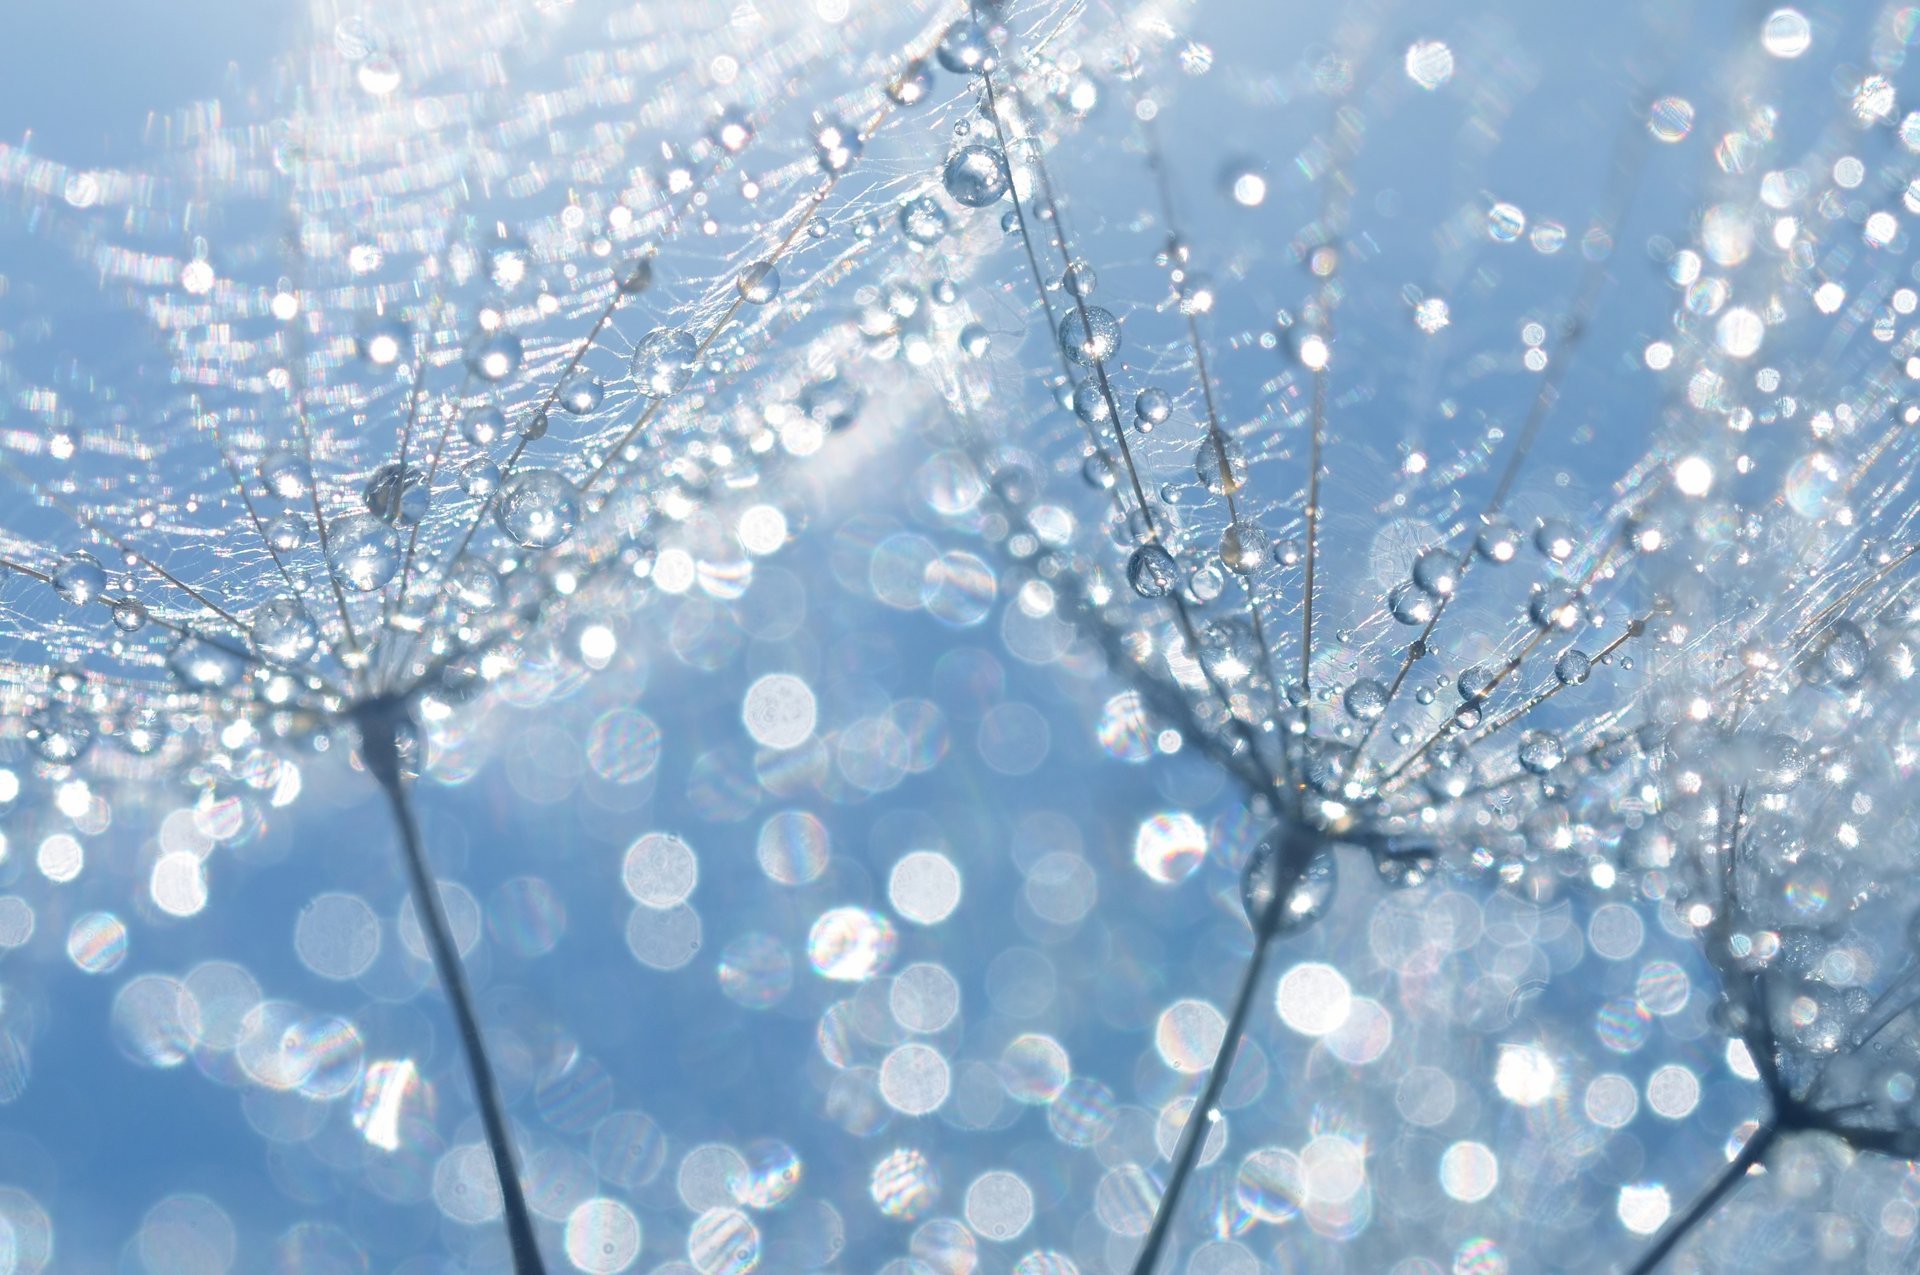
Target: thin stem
[[1709, 1199], [380, 722], [1289, 866]]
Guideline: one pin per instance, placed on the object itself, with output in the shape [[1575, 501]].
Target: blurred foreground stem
[[1200, 1120], [380, 722], [1708, 1200]]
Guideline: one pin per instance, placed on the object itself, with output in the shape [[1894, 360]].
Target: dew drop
[[537, 509], [1089, 335], [580, 393], [1308, 899], [923, 220], [759, 283], [79, 578], [1366, 700], [363, 551], [663, 362], [1151, 571], [976, 175]]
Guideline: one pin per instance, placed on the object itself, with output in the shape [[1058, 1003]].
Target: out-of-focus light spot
[[1786, 33], [915, 1079], [1469, 1171], [1693, 476], [1673, 1092], [1169, 846], [97, 943], [1611, 1100], [179, 884], [386, 1090], [779, 711], [660, 870], [1188, 1035], [1644, 1208], [60, 858], [924, 887], [602, 1236], [793, 847], [999, 1205], [1525, 1075], [1313, 999], [1429, 63], [763, 530], [850, 945]]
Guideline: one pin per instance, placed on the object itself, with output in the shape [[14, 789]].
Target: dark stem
[[380, 723], [1193, 1138], [1704, 1204]]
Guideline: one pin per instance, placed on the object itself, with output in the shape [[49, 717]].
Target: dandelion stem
[[1704, 1204], [1288, 868], [380, 722]]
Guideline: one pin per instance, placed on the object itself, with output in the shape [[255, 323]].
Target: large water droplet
[[1309, 896], [976, 175], [79, 578], [396, 494], [1151, 571], [537, 509], [1090, 337], [363, 552], [663, 362]]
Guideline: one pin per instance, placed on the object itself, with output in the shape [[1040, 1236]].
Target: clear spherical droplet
[[976, 175], [1151, 571], [78, 578], [663, 362], [537, 509], [1309, 895], [363, 551]]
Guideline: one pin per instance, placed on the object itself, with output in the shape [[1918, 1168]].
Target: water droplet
[[663, 362], [1243, 547], [1151, 571], [61, 733], [836, 143], [976, 175], [965, 49], [537, 509], [1089, 335], [396, 494], [129, 615], [1366, 700], [496, 356], [1309, 897], [1498, 541], [1409, 604], [363, 552], [1220, 464], [1573, 667], [283, 631], [759, 283], [579, 394], [1153, 406], [912, 85], [1555, 539], [1541, 751], [286, 476], [923, 220], [287, 533], [78, 578], [479, 477], [1435, 572]]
